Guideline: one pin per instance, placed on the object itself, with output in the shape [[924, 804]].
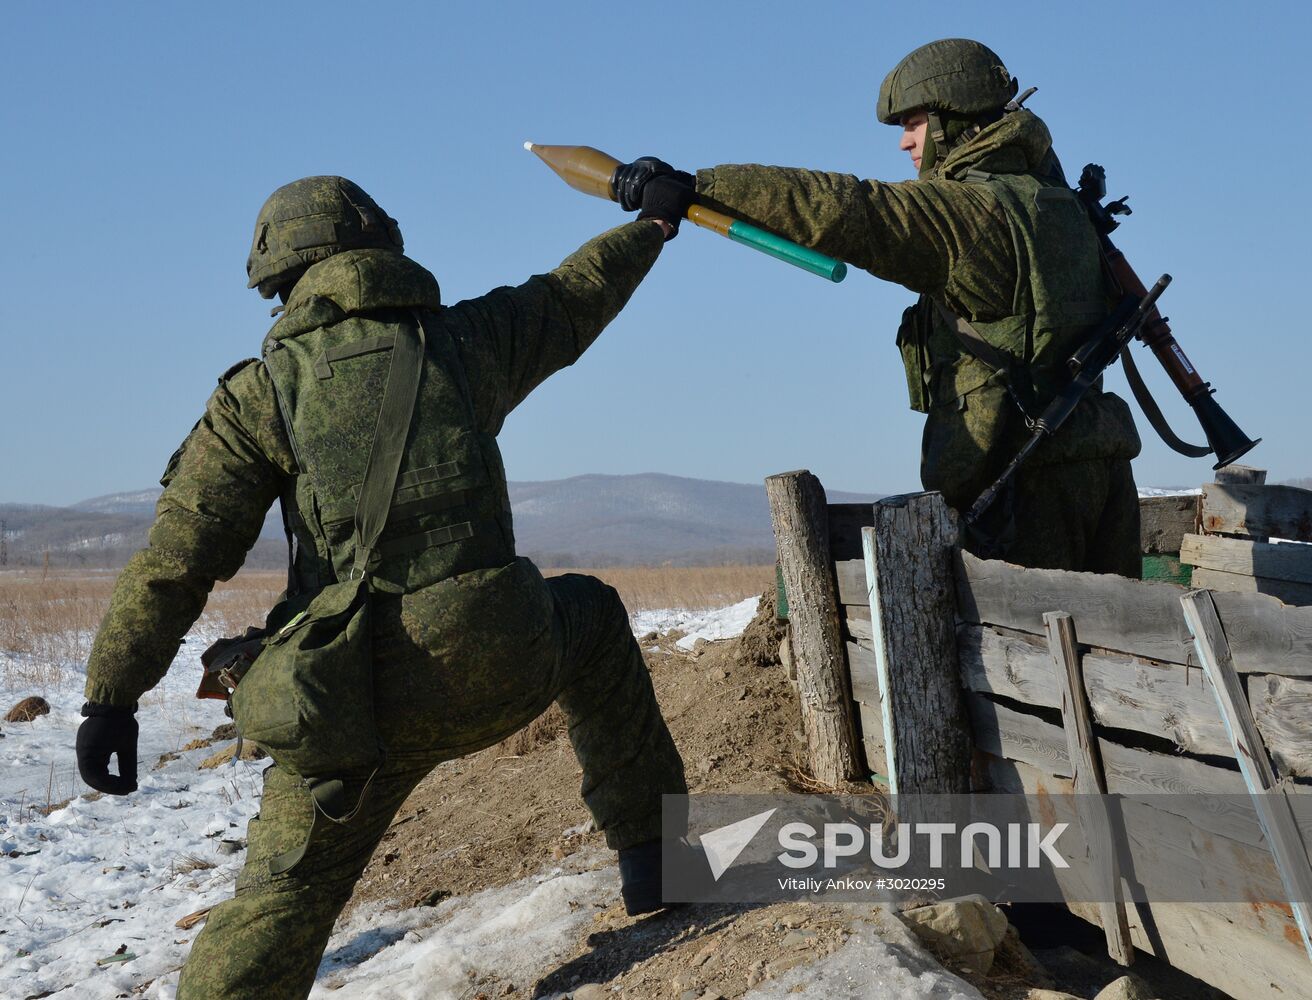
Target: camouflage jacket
[[238, 459], [994, 237]]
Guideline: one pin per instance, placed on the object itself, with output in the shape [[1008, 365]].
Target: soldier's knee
[[588, 597]]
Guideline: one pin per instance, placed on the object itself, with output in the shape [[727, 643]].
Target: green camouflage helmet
[[309, 220], [953, 75]]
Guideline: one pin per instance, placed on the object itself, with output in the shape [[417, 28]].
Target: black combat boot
[[640, 878]]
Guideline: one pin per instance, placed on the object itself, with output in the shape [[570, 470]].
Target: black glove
[[108, 730], [667, 198], [629, 179]]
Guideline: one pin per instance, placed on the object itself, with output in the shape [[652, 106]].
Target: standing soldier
[[1010, 279], [469, 643]]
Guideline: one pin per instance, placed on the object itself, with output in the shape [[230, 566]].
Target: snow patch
[[879, 962], [511, 934], [1168, 491], [721, 623]]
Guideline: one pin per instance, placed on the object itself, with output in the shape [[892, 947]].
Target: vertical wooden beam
[[908, 556], [1274, 812], [1090, 782], [801, 531]]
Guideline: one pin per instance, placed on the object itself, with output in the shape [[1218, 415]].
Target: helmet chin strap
[[935, 140], [937, 144]]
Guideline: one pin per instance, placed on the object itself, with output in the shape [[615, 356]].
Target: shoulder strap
[[390, 433], [973, 341]]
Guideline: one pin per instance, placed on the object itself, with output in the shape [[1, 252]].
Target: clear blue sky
[[139, 141]]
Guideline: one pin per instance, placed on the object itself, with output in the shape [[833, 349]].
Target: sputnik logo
[[723, 845]]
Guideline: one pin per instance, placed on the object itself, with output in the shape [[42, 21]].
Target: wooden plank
[[1273, 809], [1005, 732], [1237, 555], [851, 575], [1165, 568], [1125, 692], [1295, 595], [1164, 856], [1272, 511], [858, 623], [845, 523], [1090, 786], [801, 531], [1114, 612], [1282, 708], [1244, 949], [909, 579], [1213, 798], [872, 739], [864, 672], [1164, 520], [1133, 616]]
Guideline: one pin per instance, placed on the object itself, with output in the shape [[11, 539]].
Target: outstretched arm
[[914, 232]]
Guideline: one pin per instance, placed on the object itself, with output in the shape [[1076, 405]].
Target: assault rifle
[[1135, 317], [1087, 366]]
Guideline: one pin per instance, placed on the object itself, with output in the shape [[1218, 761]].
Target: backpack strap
[[388, 448]]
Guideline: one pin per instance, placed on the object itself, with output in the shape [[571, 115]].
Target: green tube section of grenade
[[786, 250]]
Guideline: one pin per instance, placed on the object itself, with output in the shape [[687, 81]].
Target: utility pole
[[4, 542]]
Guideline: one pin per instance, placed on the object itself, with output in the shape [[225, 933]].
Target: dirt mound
[[28, 709], [758, 646], [514, 809], [501, 814]]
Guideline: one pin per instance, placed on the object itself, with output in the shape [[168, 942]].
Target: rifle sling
[[1153, 412]]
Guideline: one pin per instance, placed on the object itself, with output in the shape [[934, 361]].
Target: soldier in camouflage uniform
[[469, 642], [989, 233]]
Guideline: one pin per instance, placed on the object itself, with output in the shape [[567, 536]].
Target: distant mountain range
[[590, 520]]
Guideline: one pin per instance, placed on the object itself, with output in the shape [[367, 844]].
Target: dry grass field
[[644, 588], [49, 619]]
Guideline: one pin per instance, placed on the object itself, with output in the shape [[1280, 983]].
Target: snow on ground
[[104, 875], [514, 933], [722, 623], [1168, 491], [879, 962]]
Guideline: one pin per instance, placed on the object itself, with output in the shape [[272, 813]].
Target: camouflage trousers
[[1081, 516], [266, 942]]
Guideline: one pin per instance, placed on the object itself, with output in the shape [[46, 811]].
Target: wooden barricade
[[1245, 542], [1051, 683]]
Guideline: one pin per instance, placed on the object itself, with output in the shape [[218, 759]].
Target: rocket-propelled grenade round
[[581, 167], [590, 171]]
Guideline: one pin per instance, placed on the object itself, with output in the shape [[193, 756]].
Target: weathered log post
[[1240, 475], [909, 574], [801, 531]]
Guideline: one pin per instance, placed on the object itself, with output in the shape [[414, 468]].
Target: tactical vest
[[328, 361], [975, 406]]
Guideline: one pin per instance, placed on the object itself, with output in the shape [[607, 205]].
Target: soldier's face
[[914, 127]]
